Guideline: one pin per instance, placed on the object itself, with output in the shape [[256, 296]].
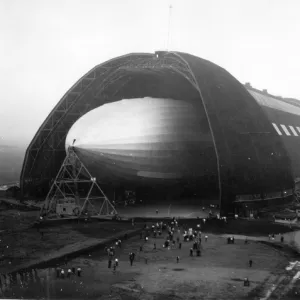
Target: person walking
[[250, 263], [131, 258], [69, 273]]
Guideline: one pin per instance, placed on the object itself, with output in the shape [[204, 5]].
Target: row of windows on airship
[[284, 130]]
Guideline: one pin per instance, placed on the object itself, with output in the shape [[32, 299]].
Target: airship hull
[[142, 142]]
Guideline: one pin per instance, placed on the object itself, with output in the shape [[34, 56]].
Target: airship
[[146, 141], [171, 120]]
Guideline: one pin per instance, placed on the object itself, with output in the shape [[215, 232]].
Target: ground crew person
[[154, 246], [69, 272], [246, 282], [62, 273], [116, 262], [131, 258], [177, 259], [206, 237], [180, 245], [78, 272], [191, 252], [250, 263], [120, 243]]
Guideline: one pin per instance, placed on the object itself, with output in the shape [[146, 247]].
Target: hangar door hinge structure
[[74, 192]]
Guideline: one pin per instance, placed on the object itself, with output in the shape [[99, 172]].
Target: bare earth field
[[217, 274], [24, 244]]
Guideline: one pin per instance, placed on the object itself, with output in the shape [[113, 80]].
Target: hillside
[[11, 160]]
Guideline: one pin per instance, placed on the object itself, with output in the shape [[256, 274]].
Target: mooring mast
[[64, 196]]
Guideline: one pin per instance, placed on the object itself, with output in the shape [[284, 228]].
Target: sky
[[47, 45]]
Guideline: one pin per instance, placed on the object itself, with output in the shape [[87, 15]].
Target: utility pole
[[169, 26]]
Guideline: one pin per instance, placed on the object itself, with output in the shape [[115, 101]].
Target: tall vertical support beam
[[195, 84]]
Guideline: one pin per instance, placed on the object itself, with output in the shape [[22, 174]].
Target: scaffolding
[[74, 192]]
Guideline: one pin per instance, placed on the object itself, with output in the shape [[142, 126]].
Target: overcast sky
[[48, 45]]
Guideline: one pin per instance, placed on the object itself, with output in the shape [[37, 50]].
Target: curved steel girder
[[209, 124], [60, 109], [108, 72]]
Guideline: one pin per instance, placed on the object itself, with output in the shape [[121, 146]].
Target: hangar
[[242, 135]]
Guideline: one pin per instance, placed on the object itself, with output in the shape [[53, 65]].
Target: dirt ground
[[217, 274], [24, 244], [15, 220]]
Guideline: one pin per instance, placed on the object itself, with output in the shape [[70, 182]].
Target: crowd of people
[[174, 233]]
